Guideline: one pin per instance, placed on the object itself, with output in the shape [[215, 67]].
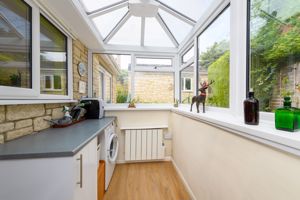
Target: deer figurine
[[202, 97]]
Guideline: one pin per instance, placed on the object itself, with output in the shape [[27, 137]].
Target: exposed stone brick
[[40, 123], [23, 123], [2, 114], [18, 133], [54, 105], [17, 112], [57, 113], [1, 139], [6, 127], [48, 112]]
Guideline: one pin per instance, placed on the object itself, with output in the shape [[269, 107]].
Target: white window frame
[[151, 69], [20, 94], [51, 82], [184, 89]]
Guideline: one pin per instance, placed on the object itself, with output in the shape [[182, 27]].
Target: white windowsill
[[35, 101], [139, 107], [264, 133]]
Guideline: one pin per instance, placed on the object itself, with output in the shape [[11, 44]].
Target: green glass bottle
[[287, 118]]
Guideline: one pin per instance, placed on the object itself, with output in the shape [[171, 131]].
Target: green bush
[[219, 72]]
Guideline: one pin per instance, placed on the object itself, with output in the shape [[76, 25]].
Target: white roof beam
[[176, 14], [107, 9], [166, 29], [117, 27], [143, 32]]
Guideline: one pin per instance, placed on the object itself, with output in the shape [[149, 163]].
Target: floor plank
[[146, 181]]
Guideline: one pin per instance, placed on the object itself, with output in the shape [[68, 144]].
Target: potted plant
[[132, 103]]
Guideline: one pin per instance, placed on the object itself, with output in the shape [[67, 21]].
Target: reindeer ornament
[[202, 96]]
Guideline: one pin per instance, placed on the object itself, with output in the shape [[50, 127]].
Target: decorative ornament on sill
[[81, 67], [251, 109], [202, 96]]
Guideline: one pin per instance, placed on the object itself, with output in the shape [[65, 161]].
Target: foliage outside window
[[53, 58], [214, 59], [15, 44], [274, 60], [185, 94]]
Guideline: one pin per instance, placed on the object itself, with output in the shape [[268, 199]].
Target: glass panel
[[188, 55], [154, 87], [120, 82], [155, 35], [15, 44], [53, 58], [129, 34], [186, 91], [191, 8], [108, 89], [214, 57], [179, 28], [105, 23], [275, 52], [91, 5], [153, 62]]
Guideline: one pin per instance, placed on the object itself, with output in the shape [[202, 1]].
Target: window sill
[[35, 101], [264, 133], [139, 107]]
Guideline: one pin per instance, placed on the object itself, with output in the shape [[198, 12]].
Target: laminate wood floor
[[146, 181]]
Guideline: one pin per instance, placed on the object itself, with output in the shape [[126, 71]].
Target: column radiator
[[145, 144]]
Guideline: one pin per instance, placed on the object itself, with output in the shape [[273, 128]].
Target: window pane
[[108, 84], [155, 35], [191, 8], [53, 58], [187, 84], [129, 34], [213, 49], [154, 87], [91, 5], [274, 51], [105, 23], [188, 55], [154, 62], [15, 44]]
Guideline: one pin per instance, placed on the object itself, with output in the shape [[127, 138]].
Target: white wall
[[220, 165], [139, 118]]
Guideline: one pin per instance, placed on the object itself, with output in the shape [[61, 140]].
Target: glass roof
[[155, 23]]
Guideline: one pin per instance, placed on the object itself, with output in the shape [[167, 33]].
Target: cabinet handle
[[80, 159]]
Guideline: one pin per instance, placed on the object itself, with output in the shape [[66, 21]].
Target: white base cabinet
[[65, 178]]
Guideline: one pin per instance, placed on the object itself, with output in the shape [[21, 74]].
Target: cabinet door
[[86, 163]]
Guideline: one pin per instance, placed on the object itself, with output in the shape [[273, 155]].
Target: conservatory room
[[149, 100]]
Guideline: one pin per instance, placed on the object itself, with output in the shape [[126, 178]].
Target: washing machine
[[109, 151]]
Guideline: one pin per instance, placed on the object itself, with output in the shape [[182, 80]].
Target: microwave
[[94, 108]]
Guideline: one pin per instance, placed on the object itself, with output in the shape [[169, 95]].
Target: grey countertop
[[54, 142]]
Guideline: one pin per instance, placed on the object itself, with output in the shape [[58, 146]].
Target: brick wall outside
[[154, 87], [20, 120]]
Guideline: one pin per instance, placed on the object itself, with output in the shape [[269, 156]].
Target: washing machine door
[[113, 146]]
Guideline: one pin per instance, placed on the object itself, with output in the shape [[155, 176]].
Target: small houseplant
[[132, 102]]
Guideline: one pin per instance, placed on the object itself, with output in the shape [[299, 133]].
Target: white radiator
[[145, 144]]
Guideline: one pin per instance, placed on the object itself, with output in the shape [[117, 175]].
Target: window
[[51, 83], [188, 55], [153, 63], [15, 44], [187, 84], [214, 59], [274, 54], [108, 88], [53, 58]]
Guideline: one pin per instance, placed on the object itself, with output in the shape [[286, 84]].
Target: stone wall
[[154, 87], [20, 120], [80, 54]]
